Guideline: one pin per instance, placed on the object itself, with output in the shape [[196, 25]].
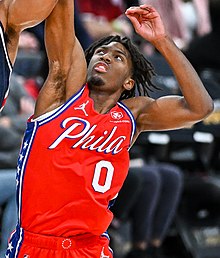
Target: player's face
[[110, 66]]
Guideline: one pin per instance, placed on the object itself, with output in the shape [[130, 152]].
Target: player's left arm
[[67, 64], [169, 112]]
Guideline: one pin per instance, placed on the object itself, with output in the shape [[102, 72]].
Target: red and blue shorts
[[24, 244]]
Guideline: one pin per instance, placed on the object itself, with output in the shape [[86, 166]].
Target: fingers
[[135, 19], [141, 14], [148, 7], [141, 10]]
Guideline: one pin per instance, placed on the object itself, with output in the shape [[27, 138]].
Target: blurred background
[[171, 198]]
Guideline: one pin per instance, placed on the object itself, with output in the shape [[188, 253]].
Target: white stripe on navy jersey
[[4, 46]]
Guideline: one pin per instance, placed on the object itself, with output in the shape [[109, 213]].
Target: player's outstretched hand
[[147, 22]]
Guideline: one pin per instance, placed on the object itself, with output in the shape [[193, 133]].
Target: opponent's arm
[[169, 112], [17, 15], [67, 65], [23, 14]]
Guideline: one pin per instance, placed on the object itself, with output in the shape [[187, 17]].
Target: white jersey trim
[[4, 46], [51, 115], [44, 116], [128, 111]]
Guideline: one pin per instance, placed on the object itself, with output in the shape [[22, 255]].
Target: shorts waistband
[[63, 243]]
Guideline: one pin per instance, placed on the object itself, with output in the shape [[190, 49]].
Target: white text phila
[[82, 131]]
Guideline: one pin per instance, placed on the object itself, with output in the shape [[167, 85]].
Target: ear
[[128, 84]]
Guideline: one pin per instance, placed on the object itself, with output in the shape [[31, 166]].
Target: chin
[[96, 81]]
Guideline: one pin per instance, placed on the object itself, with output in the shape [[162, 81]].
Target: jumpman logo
[[103, 255], [82, 107]]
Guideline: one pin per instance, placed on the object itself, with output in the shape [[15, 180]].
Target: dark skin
[[116, 60], [17, 15], [110, 73]]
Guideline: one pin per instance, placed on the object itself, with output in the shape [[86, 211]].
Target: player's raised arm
[[171, 111], [67, 65]]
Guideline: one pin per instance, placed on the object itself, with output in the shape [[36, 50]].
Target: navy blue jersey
[[5, 69]]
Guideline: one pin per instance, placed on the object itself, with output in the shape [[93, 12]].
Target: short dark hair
[[142, 70]]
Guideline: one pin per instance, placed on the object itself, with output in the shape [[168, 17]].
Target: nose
[[106, 58]]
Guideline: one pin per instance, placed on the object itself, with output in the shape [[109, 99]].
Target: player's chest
[[108, 133]]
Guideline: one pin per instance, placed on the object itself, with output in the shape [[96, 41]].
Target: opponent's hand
[[147, 22]]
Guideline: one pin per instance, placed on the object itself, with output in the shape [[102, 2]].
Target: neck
[[103, 102]]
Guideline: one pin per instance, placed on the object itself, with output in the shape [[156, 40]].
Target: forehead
[[117, 46]]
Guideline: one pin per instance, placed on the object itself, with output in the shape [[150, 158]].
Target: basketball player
[[16, 16], [74, 157]]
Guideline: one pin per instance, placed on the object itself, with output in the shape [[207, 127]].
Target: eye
[[119, 58], [100, 51]]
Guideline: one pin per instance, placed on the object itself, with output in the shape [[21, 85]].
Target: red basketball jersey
[[72, 163]]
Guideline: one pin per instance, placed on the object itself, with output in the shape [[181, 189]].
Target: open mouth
[[101, 67]]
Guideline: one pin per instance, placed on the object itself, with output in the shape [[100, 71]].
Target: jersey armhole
[[133, 121], [47, 117]]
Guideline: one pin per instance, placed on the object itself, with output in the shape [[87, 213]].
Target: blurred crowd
[[153, 190]]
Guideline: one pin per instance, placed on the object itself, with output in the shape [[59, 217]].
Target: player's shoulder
[[137, 104], [137, 99]]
